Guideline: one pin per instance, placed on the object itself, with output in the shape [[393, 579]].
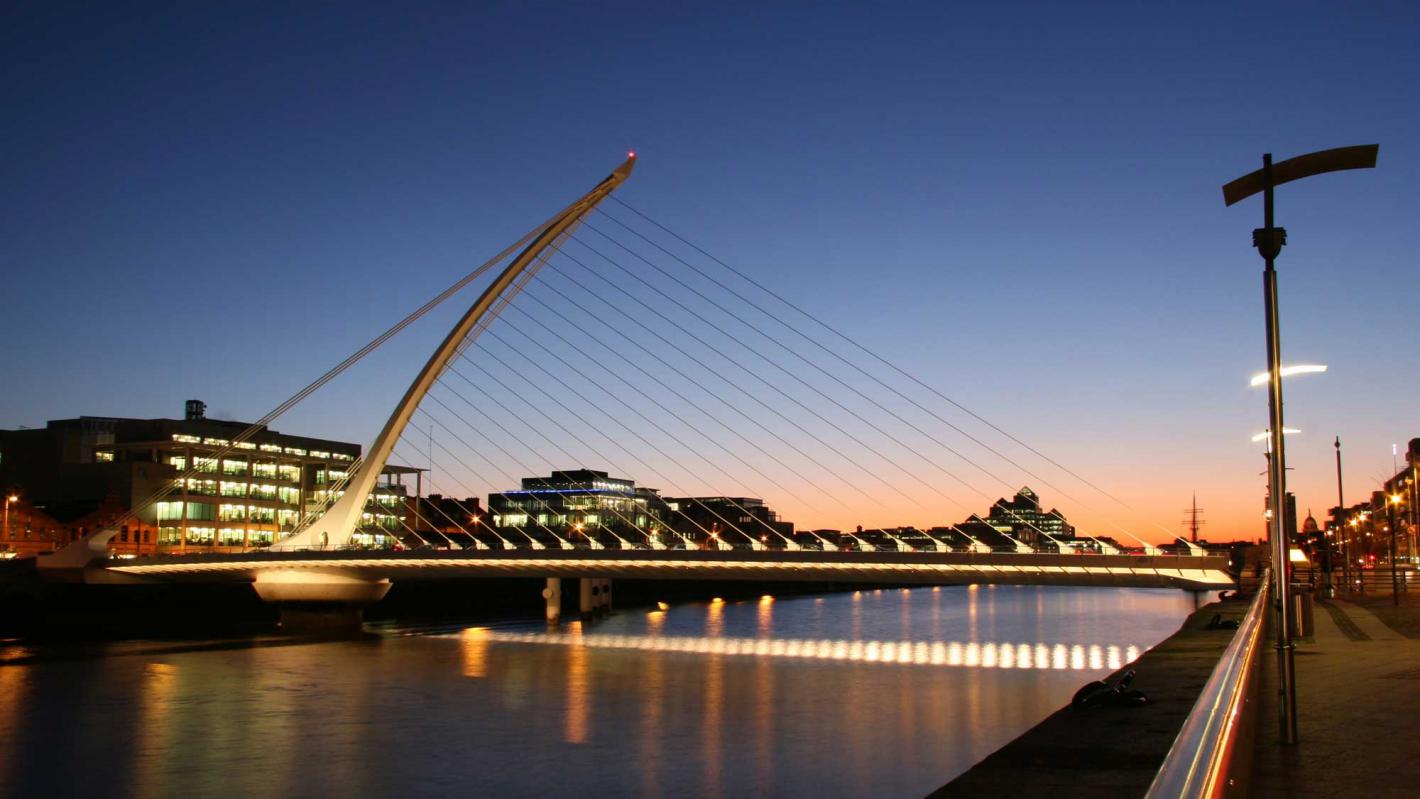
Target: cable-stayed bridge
[[629, 347]]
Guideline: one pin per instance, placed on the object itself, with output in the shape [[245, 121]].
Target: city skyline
[[1071, 276]]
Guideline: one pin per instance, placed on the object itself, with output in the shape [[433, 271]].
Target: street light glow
[[1287, 371]]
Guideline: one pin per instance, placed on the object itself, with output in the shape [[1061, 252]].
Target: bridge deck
[[939, 568]]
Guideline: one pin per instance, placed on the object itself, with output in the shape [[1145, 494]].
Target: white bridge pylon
[[337, 526]]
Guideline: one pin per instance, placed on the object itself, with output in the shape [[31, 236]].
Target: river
[[885, 693]]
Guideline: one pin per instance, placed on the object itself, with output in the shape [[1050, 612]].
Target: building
[[1022, 518], [580, 506], [739, 522], [91, 471], [445, 521]]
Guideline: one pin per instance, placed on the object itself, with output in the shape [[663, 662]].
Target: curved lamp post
[[1268, 240]]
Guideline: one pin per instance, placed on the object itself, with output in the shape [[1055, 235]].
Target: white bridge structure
[[317, 566]]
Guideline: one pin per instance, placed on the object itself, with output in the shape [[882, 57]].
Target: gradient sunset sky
[[1018, 203]]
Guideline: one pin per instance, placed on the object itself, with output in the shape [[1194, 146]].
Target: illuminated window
[[201, 535], [234, 467], [103, 456], [315, 453], [184, 439], [205, 464], [245, 445], [263, 469], [178, 462], [231, 537], [218, 442], [233, 489], [289, 472], [295, 451], [269, 448]]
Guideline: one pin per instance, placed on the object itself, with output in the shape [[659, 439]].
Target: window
[[232, 513], [205, 464], [231, 537], [289, 472], [178, 462], [216, 442], [295, 451], [103, 456], [234, 467], [183, 439], [263, 469], [269, 448], [203, 536]]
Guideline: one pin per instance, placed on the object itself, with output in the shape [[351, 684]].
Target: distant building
[[1022, 518], [580, 506], [442, 521], [88, 472], [737, 521]]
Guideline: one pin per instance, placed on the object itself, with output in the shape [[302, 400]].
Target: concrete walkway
[[1358, 710]]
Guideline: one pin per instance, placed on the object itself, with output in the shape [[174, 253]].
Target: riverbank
[[1109, 752]]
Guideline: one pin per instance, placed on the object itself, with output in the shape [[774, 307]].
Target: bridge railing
[[1211, 754]]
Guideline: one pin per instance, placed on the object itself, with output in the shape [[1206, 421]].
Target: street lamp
[[1262, 378], [13, 498], [1394, 580], [1266, 435], [1269, 240]]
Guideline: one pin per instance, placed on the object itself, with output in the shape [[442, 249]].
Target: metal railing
[[1211, 749]]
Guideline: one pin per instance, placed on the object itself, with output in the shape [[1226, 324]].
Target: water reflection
[[971, 654], [475, 651], [881, 694], [579, 685]]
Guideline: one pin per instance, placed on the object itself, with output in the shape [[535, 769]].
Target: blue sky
[[1020, 203]]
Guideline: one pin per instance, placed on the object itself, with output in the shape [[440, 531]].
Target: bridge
[[863, 421]]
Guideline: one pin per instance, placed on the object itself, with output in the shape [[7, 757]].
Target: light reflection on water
[[885, 693]]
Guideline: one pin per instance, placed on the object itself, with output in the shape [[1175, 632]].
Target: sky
[[1018, 204]]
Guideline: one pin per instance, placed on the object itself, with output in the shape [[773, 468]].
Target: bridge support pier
[[316, 603], [553, 595], [594, 594]]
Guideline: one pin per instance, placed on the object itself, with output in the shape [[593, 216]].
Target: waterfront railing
[[1212, 754]]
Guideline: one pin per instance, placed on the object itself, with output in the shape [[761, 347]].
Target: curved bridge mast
[[335, 528]]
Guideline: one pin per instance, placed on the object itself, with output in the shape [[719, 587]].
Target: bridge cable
[[878, 358]]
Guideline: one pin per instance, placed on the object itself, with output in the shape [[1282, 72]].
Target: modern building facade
[[236, 496], [583, 507], [1022, 518]]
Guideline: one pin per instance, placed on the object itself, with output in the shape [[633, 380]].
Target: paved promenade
[[1358, 706]]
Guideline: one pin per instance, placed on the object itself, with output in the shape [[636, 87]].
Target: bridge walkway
[[1358, 698]]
